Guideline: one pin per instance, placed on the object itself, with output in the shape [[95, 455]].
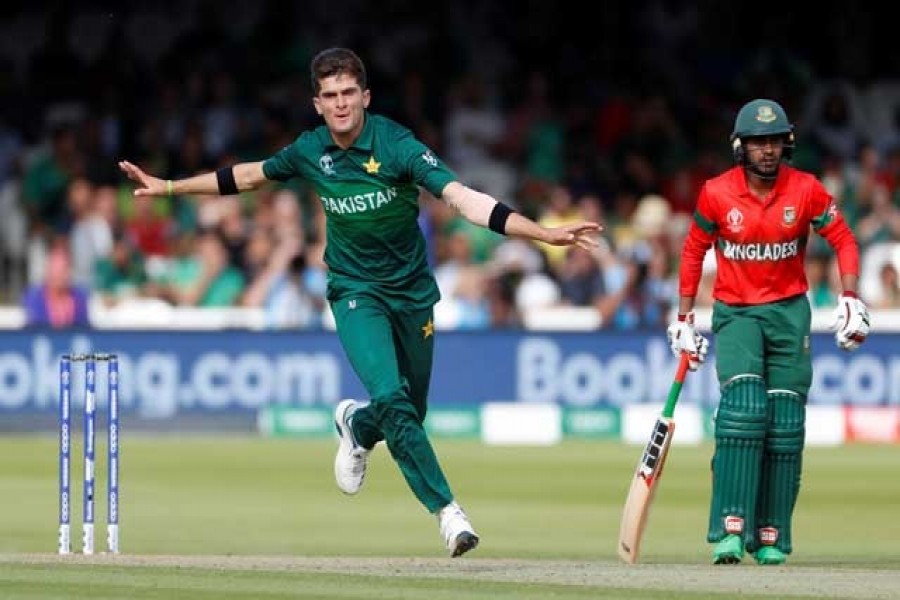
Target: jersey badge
[[372, 166], [789, 217], [735, 220]]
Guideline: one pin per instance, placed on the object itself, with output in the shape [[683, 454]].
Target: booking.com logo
[[158, 384], [546, 372]]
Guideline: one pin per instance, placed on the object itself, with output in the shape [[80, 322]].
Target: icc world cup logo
[[735, 220]]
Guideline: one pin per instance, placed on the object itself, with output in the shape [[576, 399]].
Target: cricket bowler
[[367, 171]]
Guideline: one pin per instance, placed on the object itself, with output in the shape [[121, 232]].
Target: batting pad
[[781, 467], [740, 431]]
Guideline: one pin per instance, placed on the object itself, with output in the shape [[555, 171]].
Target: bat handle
[[684, 364]]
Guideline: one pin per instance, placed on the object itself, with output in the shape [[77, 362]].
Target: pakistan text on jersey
[[359, 202], [761, 251]]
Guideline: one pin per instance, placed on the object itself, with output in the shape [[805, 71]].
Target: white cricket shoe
[[351, 458], [458, 533]]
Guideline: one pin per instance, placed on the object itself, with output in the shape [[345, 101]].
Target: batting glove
[[851, 322], [684, 338]]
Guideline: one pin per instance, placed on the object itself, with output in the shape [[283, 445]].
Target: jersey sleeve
[[284, 164], [422, 166], [701, 235], [828, 222]]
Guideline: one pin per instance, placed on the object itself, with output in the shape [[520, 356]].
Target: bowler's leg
[[367, 332], [405, 431], [415, 342]]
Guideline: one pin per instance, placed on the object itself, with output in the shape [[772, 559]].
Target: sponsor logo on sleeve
[[430, 159]]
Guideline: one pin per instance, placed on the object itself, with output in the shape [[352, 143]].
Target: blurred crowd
[[623, 131]]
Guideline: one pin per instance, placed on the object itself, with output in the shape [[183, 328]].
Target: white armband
[[475, 206]]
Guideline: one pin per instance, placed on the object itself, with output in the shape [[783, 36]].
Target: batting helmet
[[761, 117]]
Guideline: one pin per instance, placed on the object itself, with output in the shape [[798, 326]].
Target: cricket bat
[[649, 470]]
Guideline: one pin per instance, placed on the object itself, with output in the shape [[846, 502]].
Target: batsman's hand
[[851, 322], [148, 185], [583, 235], [683, 337]]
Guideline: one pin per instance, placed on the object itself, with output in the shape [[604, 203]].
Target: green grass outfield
[[232, 517]]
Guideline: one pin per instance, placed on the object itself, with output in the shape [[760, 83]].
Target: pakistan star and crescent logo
[[428, 329], [371, 166]]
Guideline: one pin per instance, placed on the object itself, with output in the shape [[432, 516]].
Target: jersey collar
[[780, 183], [364, 142]]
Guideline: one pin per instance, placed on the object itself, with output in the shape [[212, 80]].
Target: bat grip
[[684, 364]]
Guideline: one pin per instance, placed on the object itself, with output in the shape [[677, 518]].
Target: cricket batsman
[[759, 215]]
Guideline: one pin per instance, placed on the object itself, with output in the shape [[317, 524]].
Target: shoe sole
[[464, 542], [727, 559]]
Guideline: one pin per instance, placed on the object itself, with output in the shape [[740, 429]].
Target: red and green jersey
[[370, 192], [760, 245]]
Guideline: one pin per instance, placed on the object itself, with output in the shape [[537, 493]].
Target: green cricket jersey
[[370, 195]]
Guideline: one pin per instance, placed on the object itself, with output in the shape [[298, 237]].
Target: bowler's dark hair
[[335, 61]]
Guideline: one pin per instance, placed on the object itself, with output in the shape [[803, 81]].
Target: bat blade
[[643, 489], [649, 470]]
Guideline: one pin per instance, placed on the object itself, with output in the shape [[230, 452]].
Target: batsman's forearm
[[840, 237], [849, 282], [693, 251], [685, 304]]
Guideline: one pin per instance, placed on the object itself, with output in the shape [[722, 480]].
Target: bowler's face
[[342, 103]]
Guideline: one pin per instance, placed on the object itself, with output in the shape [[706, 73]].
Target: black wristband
[[225, 179], [499, 215]]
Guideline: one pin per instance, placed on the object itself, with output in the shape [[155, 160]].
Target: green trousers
[[765, 371], [391, 352]]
